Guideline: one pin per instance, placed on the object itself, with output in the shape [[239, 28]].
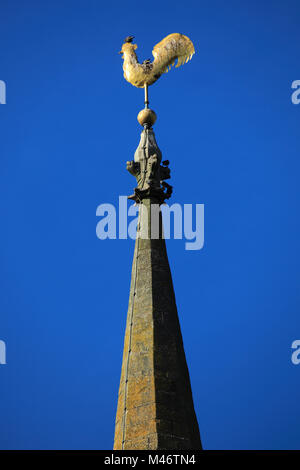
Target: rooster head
[[128, 47]]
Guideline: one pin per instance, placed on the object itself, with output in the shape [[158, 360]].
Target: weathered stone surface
[[149, 442], [155, 406]]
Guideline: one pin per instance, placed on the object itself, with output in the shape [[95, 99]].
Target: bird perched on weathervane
[[172, 47]]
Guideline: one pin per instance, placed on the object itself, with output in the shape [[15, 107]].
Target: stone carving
[[148, 170]]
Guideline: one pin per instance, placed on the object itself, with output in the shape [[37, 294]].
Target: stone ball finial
[[146, 116]]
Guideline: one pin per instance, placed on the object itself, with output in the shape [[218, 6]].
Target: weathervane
[[146, 166], [172, 47]]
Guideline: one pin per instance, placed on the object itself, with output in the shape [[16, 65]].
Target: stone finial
[[148, 170]]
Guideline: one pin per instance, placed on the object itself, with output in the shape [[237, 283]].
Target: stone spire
[[155, 404]]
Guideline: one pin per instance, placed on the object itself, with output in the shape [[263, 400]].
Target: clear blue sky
[[231, 133]]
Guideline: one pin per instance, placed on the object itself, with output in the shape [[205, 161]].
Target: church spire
[[155, 404]]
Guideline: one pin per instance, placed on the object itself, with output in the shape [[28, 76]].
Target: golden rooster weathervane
[[172, 47]]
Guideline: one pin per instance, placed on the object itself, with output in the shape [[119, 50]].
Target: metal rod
[[146, 96]]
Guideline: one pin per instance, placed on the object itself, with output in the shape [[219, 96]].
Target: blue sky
[[227, 124]]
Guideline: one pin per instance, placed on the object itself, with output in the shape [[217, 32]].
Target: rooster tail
[[172, 47]]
